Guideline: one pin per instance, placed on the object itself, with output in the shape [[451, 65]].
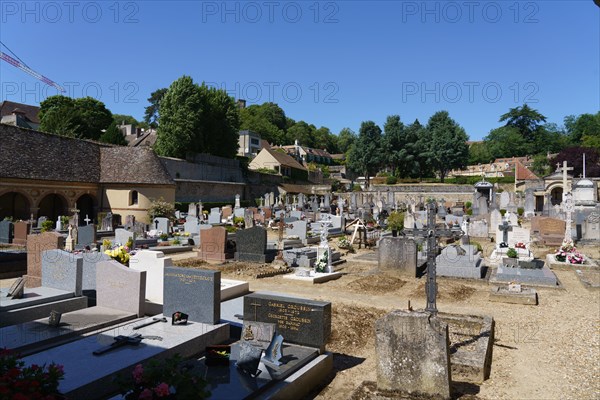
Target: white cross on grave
[[568, 207], [564, 169], [87, 219]]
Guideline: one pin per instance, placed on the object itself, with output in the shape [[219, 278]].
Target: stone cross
[[87, 219], [568, 207], [564, 169], [505, 228], [432, 234]]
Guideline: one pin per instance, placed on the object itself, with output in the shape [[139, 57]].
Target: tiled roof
[[522, 173], [29, 154], [284, 159], [132, 165], [31, 112]]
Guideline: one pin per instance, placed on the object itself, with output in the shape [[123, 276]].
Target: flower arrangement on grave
[[239, 222], [163, 380], [575, 258], [512, 253], [344, 243], [164, 236], [520, 245], [120, 254], [321, 265], [18, 381]]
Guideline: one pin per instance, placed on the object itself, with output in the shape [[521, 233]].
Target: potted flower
[[512, 253], [120, 254], [164, 237], [575, 258], [396, 222]]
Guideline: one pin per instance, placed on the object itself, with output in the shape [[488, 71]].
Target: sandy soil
[[549, 351]]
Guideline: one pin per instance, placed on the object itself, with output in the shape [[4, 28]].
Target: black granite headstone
[[6, 232], [194, 292], [251, 245], [301, 321]]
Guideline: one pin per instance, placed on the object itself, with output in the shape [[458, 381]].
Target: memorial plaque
[[194, 292], [301, 321]]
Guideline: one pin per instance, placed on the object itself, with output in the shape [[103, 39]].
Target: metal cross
[[432, 234], [505, 227]]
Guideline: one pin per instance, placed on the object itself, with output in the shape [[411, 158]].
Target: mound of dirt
[[352, 327], [446, 291], [376, 284]]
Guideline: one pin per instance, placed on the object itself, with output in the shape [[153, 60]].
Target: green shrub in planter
[[502, 212], [468, 204], [520, 211], [512, 253], [391, 180], [47, 225]]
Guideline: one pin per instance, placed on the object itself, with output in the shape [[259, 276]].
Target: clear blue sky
[[332, 64]]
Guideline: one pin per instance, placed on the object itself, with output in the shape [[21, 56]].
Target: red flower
[[162, 390]]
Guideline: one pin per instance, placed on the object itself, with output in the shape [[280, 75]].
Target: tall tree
[[122, 119], [448, 144], [84, 118], [267, 119], [574, 158], [197, 119], [526, 120], [113, 135], [420, 139], [180, 114], [479, 153], [302, 132], [506, 141], [365, 155], [346, 138], [152, 111], [584, 129]]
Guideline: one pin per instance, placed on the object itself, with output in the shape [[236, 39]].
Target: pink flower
[[146, 394], [162, 390], [138, 373]]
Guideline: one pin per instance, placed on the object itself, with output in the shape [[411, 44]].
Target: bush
[[161, 208], [502, 212], [512, 253], [18, 381], [477, 245], [396, 221], [520, 211], [468, 204], [469, 211], [47, 225], [391, 180]]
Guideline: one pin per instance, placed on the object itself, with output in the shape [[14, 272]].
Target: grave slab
[[194, 292], [92, 377], [527, 296], [314, 277]]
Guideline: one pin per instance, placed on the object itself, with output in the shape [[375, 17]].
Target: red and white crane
[[23, 67]]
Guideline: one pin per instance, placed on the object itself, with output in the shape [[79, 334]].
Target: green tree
[[180, 115], [584, 129], [448, 144], [526, 120], [267, 119], [152, 111], [506, 141], [302, 132], [479, 153], [393, 141], [541, 165], [121, 119], [113, 135], [420, 139], [84, 118], [197, 119], [346, 138], [324, 139], [365, 155]]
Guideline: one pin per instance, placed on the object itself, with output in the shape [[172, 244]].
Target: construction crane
[[23, 67]]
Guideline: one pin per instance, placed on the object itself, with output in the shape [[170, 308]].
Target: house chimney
[[241, 103]]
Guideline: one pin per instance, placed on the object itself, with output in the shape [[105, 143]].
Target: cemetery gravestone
[[413, 353], [36, 245], [87, 236], [21, 230], [215, 216], [251, 245], [193, 292], [227, 212], [478, 228], [161, 224], [154, 264], [122, 236], [504, 200], [300, 321], [398, 254], [114, 278], [213, 244], [460, 261], [191, 226], [62, 270], [40, 221], [6, 232]]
